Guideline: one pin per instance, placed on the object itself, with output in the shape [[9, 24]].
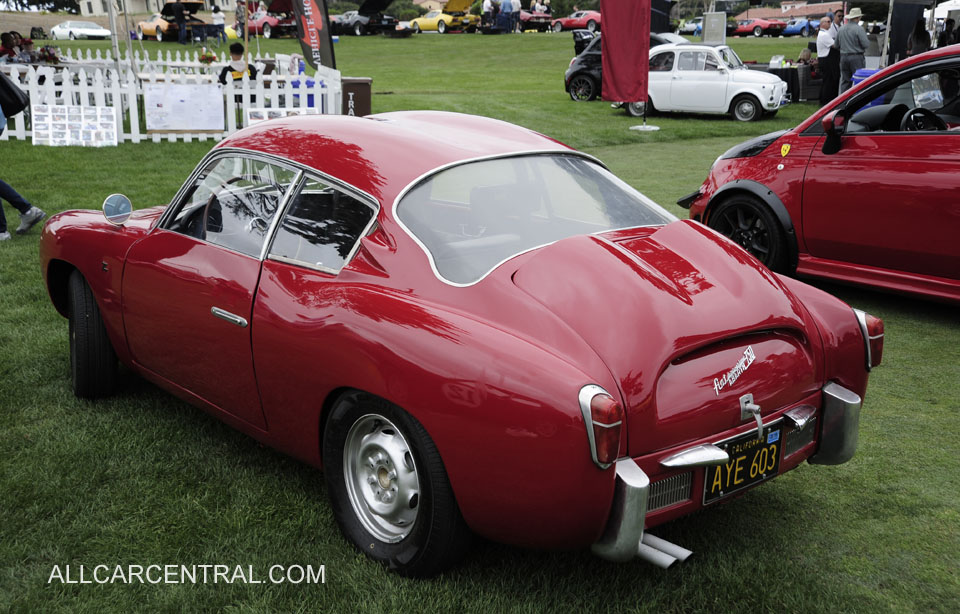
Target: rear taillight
[[603, 417], [872, 329]]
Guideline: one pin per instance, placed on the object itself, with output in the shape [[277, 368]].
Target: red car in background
[[476, 330], [589, 20], [865, 191], [541, 22], [759, 27], [278, 20]]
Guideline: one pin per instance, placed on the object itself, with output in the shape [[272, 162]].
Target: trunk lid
[[685, 320]]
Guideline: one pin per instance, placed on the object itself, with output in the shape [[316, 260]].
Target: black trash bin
[[356, 95]]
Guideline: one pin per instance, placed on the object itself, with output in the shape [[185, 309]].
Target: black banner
[[313, 30]]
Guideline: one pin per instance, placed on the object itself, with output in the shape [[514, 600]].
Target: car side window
[[662, 62], [321, 227], [232, 203], [710, 62], [691, 60]]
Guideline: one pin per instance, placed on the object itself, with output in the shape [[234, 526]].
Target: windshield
[[473, 217], [730, 57]]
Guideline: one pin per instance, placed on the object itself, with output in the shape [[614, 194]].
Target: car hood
[[371, 7], [754, 76], [457, 6], [189, 7], [670, 311]]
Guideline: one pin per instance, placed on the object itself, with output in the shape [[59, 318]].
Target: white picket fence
[[85, 83]]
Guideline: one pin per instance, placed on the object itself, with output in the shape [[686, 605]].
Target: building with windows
[[135, 7]]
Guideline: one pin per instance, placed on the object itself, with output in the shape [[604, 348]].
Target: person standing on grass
[[853, 44], [29, 215], [180, 16], [217, 20], [919, 40], [487, 12], [828, 61], [947, 36], [237, 67]]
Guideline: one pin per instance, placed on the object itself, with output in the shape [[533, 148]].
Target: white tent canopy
[[943, 9]]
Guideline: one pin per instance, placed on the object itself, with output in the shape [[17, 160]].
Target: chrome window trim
[[295, 186], [375, 209], [517, 154], [301, 263], [302, 171]]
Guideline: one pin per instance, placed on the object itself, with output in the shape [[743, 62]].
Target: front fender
[[83, 240], [768, 197]]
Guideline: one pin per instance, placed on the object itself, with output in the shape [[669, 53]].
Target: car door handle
[[229, 317]]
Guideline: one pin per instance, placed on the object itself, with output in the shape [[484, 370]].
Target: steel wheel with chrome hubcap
[[381, 478], [388, 487]]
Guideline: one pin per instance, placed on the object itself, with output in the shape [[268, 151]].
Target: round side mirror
[[117, 209]]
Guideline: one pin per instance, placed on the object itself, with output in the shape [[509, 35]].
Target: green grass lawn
[[143, 478]]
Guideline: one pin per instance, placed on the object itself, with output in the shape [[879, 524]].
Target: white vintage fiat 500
[[710, 79]]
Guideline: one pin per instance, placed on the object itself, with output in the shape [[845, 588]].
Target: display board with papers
[[62, 125], [183, 106]]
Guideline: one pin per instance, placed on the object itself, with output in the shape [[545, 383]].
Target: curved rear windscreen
[[474, 216]]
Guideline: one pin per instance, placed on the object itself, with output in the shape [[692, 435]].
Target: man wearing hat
[[853, 43]]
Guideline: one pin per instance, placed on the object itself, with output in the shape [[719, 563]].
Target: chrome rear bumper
[[839, 427], [624, 539]]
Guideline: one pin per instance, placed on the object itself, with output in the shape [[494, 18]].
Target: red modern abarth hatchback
[[865, 191]]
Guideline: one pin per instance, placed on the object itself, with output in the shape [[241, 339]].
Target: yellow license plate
[[752, 460]]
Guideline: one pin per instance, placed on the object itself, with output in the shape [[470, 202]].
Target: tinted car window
[[232, 203], [662, 62], [321, 227]]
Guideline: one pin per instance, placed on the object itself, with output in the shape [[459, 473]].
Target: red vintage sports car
[[759, 27], [471, 327], [277, 20], [865, 191], [589, 20]]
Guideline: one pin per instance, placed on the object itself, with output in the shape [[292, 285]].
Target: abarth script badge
[[728, 378]]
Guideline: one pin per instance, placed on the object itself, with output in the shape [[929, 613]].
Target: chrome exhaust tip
[[660, 552]]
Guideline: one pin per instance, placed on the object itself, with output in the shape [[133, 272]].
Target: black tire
[[158, 33], [634, 109], [267, 31], [139, 33], [358, 29], [438, 536], [592, 25], [73, 36], [805, 33], [758, 31], [745, 108], [557, 26], [750, 224], [442, 27], [582, 88], [93, 362], [416, 28]]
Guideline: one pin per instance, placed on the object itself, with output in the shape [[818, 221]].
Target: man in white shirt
[[828, 61], [487, 11]]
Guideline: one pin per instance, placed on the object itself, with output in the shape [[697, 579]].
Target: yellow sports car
[[454, 16], [163, 25]]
